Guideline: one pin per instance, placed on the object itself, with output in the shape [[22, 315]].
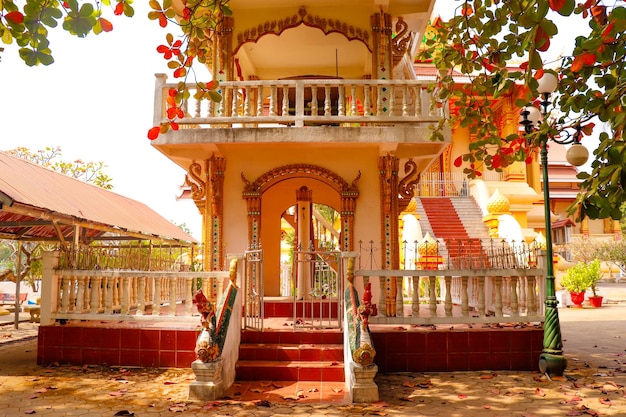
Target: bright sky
[[96, 103]]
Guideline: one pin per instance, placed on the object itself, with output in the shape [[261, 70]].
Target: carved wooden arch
[[348, 192], [302, 17]]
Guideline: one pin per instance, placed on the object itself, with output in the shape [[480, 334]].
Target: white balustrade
[[465, 297], [132, 295], [300, 102]]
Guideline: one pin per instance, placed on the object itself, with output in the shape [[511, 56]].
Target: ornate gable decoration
[[276, 27], [275, 175]]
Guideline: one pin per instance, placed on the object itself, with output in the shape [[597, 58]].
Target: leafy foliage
[[92, 172], [198, 21], [582, 276], [29, 26], [480, 42]]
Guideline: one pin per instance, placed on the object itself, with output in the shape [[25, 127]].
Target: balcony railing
[[306, 102]]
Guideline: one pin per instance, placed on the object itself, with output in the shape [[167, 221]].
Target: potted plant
[[595, 275], [576, 281]]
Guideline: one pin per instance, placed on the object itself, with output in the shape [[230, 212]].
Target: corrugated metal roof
[[38, 202]]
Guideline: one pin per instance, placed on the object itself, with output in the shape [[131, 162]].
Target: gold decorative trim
[[364, 355], [302, 16], [268, 179]]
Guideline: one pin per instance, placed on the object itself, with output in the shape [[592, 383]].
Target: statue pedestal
[[363, 389], [208, 385]]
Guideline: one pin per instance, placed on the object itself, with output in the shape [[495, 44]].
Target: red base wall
[[415, 350], [75, 345]]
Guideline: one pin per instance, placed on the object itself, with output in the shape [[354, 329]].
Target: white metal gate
[[318, 291], [253, 290]]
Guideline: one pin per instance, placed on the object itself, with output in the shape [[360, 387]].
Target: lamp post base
[[551, 364]]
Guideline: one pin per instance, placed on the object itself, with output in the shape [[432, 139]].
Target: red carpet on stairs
[[447, 225], [443, 218]]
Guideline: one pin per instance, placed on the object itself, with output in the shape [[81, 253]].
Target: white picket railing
[[459, 296], [335, 102], [117, 294], [496, 284]]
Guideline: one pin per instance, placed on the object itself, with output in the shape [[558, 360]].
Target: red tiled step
[[287, 355], [290, 371], [276, 352]]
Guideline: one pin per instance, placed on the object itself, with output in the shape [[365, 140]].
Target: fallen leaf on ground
[[124, 413], [178, 408], [337, 390], [462, 396], [262, 403], [487, 407], [169, 383], [29, 412], [540, 392], [313, 390], [606, 401]]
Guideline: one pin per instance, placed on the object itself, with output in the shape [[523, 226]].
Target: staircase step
[[276, 352], [288, 355], [290, 371]]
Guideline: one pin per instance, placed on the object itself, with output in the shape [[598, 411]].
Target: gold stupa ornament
[[498, 203], [428, 246], [412, 206]]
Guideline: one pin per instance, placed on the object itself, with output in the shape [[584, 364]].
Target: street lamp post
[[551, 362]]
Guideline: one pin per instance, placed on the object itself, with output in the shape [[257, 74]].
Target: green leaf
[[86, 10]]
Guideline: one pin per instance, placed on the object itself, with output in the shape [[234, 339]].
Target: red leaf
[[588, 128], [557, 5], [15, 17], [162, 20], [542, 40], [154, 133], [174, 126], [496, 161], [523, 65], [105, 25], [577, 64], [171, 112], [462, 396], [589, 58], [172, 92], [119, 9], [186, 13], [458, 161], [467, 10]]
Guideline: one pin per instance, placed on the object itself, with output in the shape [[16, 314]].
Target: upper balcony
[[397, 113]]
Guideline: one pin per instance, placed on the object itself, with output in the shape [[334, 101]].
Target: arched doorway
[[273, 194], [321, 232]]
